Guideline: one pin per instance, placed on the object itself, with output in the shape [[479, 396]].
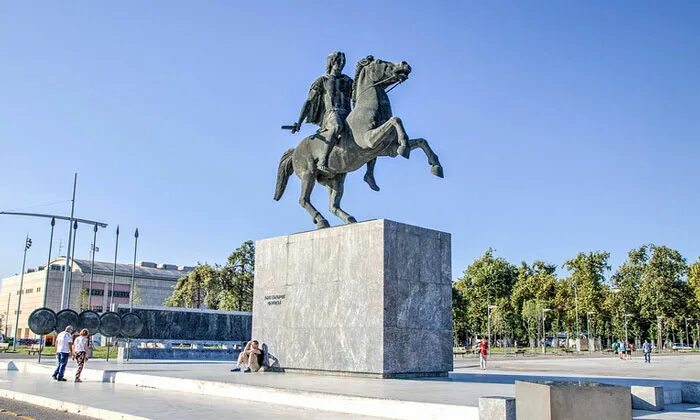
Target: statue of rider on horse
[[348, 138]]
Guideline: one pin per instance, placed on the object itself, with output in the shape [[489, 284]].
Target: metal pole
[[27, 245], [578, 332], [488, 324], [8, 312], [626, 338], [92, 268], [65, 293], [687, 339], [114, 270], [588, 330], [544, 335], [46, 283], [133, 271], [72, 258]]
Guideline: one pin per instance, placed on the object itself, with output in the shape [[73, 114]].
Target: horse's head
[[371, 72]]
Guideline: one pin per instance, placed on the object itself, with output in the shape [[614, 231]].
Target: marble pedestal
[[371, 298]]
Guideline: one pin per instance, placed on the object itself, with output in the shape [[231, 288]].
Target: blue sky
[[562, 126]]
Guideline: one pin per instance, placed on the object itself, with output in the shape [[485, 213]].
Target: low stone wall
[[179, 354]]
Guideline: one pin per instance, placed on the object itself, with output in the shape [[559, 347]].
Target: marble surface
[[367, 298]]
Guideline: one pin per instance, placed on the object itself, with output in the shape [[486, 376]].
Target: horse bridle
[[378, 83]]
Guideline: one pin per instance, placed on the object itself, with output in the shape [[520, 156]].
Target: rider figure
[[327, 106]]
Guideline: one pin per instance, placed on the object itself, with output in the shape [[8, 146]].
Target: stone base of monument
[[575, 400], [368, 299]]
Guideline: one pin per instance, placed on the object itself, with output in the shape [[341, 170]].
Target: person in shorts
[[483, 353]]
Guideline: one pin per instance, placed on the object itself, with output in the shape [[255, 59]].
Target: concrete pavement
[[210, 387]]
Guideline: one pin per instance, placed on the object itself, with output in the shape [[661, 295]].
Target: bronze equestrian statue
[[370, 130]]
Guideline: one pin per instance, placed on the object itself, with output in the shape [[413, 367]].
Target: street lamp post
[[27, 245], [488, 321], [588, 329], [578, 331], [544, 333], [627, 342]]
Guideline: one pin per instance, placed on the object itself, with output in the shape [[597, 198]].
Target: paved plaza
[[158, 389]]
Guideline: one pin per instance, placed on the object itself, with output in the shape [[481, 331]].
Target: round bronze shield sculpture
[[65, 318], [110, 324], [42, 321], [89, 320], [131, 325]]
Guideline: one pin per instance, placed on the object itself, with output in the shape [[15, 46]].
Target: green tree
[[627, 281], [227, 287], [191, 290], [82, 301], [663, 291], [535, 283], [136, 298], [584, 288], [487, 280], [236, 279], [694, 306]]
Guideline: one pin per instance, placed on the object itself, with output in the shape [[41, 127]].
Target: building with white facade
[[153, 283]]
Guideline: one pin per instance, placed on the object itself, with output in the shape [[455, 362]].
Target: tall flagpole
[[133, 271], [27, 245], [46, 283], [72, 258], [114, 271], [65, 292]]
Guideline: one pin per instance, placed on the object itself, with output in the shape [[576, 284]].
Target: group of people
[[76, 347], [625, 349]]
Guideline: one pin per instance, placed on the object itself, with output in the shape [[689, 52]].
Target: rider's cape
[[317, 107]]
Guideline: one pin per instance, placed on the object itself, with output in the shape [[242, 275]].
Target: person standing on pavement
[[63, 352], [483, 353], [80, 349], [646, 348], [622, 349]]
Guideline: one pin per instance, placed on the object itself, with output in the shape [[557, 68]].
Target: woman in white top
[[80, 347]]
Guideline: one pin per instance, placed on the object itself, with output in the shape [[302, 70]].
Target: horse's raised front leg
[[307, 186], [393, 126], [336, 186], [435, 167]]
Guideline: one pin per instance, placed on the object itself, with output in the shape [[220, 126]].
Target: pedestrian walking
[[63, 352], [80, 352], [646, 348], [622, 348], [483, 353]]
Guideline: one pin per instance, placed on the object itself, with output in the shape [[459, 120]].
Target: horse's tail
[[283, 172]]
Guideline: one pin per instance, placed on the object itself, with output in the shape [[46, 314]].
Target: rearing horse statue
[[374, 132]]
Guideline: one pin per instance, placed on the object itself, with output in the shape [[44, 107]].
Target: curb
[[358, 405], [68, 407]]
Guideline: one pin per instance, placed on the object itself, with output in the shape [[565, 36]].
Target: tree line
[[225, 287], [654, 294]]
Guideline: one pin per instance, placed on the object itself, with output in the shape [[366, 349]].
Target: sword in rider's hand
[[292, 127]]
